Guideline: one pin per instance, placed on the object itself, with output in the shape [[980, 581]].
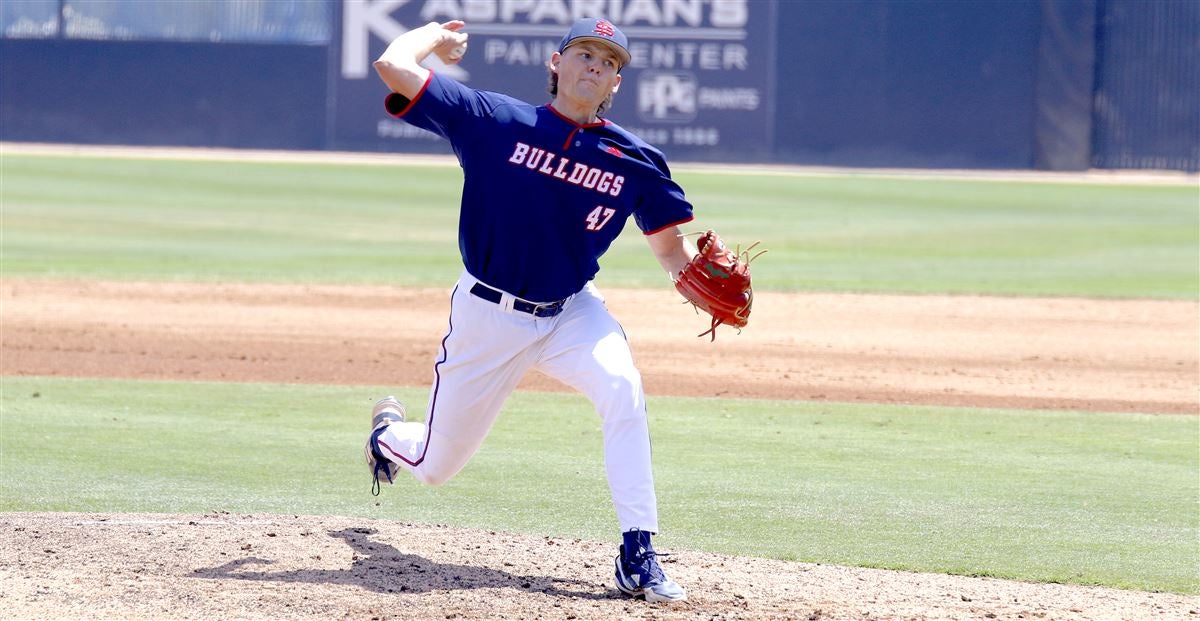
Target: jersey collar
[[600, 123], [575, 127]]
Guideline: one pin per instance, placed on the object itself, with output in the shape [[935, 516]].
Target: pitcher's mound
[[222, 566]]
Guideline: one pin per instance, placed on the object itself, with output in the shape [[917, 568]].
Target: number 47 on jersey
[[599, 217]]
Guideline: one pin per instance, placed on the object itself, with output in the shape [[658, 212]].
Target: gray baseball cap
[[597, 29]]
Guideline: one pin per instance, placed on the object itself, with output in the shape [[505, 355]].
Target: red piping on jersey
[[667, 226], [428, 79], [578, 126]]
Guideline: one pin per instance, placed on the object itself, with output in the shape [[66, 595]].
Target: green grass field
[[216, 221], [1111, 499], [1063, 497]]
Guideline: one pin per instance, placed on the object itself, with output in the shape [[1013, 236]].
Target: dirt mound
[[222, 566]]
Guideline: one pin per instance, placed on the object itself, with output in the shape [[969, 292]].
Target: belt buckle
[[551, 308]]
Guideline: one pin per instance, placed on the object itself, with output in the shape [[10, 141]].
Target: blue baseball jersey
[[543, 196]]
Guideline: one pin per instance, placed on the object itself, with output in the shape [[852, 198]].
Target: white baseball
[[458, 52]]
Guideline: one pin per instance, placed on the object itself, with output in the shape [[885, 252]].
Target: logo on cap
[[604, 28], [597, 29]]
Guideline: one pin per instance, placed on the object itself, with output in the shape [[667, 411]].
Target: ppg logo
[[667, 96]]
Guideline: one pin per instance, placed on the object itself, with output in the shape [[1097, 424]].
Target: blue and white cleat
[[640, 575], [387, 411]]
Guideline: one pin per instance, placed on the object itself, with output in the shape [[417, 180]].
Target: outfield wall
[[925, 83], [163, 93], [1013, 84]]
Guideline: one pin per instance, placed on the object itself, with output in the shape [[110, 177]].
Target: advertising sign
[[699, 84]]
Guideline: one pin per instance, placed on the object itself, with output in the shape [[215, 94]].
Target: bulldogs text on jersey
[[580, 174]]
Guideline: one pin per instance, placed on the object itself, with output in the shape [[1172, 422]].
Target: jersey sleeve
[[443, 106], [662, 204]]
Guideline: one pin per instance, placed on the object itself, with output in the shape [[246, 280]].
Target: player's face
[[587, 73]]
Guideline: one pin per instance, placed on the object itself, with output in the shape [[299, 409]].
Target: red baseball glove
[[717, 281]]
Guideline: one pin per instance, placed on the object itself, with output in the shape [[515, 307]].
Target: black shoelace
[[648, 560]]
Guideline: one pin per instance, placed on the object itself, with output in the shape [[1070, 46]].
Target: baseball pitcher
[[546, 190]]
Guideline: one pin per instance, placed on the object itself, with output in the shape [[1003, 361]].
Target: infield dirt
[[1067, 353], [1101, 355]]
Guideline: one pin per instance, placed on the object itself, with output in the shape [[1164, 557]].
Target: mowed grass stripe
[[310, 222], [1107, 499]]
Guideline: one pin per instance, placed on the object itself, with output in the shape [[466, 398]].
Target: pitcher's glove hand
[[717, 281]]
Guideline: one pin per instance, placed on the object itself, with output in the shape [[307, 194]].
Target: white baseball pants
[[488, 349]]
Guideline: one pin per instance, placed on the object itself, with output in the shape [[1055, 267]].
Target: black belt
[[549, 309]]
